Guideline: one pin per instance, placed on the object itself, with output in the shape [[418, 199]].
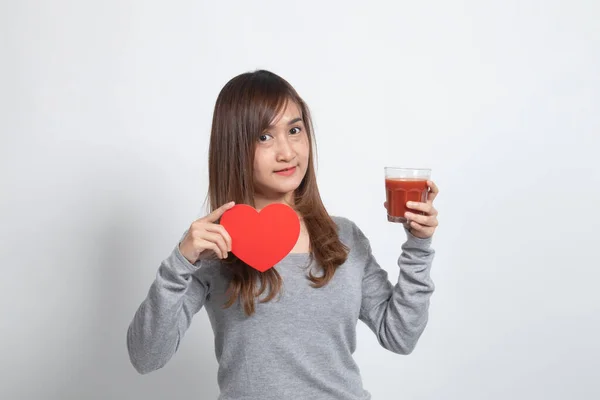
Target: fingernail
[[410, 204], [408, 215]]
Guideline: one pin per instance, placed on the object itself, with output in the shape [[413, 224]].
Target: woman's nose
[[285, 152]]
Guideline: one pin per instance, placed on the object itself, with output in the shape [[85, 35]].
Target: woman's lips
[[286, 172]]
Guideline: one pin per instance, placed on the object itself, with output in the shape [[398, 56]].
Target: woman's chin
[[284, 190]]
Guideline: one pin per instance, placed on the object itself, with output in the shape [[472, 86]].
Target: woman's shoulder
[[353, 237], [343, 223], [348, 231]]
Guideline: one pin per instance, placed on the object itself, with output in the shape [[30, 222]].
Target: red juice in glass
[[403, 185]]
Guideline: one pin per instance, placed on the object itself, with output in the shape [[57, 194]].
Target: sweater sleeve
[[398, 314], [162, 319]]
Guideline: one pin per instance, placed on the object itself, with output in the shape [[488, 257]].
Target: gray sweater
[[300, 344]]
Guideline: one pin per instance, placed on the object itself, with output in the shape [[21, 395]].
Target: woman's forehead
[[288, 114]]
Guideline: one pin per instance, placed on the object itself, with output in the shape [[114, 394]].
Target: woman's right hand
[[207, 239]]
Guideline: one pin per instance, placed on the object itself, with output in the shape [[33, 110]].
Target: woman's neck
[[261, 201]]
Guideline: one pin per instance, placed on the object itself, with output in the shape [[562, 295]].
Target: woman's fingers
[[220, 229], [426, 220], [216, 214], [433, 191], [218, 241], [421, 231], [427, 208], [210, 249]]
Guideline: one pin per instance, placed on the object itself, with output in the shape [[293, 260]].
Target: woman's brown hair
[[245, 107]]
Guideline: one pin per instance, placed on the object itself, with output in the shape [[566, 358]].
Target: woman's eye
[[295, 130], [264, 137]]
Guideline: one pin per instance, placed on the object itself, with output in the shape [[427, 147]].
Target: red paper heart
[[261, 239]]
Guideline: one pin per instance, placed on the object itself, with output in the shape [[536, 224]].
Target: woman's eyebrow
[[292, 122]]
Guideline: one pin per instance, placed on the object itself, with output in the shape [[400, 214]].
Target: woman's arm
[[398, 314], [162, 319]]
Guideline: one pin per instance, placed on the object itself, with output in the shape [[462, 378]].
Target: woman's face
[[281, 156]]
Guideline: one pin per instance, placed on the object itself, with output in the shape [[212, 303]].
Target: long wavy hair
[[245, 107]]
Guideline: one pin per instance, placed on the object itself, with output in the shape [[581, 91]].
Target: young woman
[[289, 332]]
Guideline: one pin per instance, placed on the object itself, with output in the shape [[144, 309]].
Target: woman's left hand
[[423, 226]]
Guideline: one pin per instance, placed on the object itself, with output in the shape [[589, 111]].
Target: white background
[[105, 111]]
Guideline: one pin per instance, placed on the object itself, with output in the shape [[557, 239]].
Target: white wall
[[105, 115]]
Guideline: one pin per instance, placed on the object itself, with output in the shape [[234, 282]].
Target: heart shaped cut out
[[261, 239]]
